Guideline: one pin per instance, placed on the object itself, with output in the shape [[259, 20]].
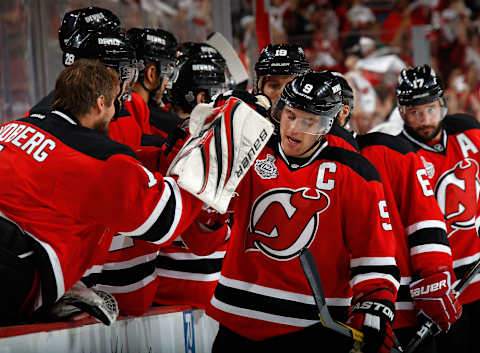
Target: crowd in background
[[340, 35], [371, 41]]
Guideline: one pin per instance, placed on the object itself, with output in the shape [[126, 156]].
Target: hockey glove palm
[[434, 298], [374, 319], [99, 304]]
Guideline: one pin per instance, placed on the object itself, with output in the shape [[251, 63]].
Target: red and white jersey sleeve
[[333, 204], [422, 244]]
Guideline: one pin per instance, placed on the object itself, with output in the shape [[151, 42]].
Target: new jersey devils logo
[[284, 221], [457, 193]]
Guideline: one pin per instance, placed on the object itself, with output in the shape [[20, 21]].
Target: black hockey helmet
[[85, 19], [154, 45], [419, 85], [281, 60], [318, 93], [347, 91], [193, 76], [112, 48], [194, 50]]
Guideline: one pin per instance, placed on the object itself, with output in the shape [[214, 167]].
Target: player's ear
[[151, 74], [100, 103]]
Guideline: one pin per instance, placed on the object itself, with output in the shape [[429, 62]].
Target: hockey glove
[[213, 161], [374, 319], [99, 304], [434, 298]]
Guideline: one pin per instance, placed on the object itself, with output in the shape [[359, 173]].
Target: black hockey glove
[[374, 319]]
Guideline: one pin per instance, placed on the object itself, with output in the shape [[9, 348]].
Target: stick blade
[[234, 64]]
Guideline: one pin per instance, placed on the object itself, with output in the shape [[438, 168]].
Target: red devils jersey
[[422, 244], [332, 203], [137, 107], [185, 277], [71, 188], [136, 273], [184, 272], [453, 165], [340, 137], [126, 130]]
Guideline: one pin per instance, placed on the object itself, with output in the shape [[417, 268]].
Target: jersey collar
[[65, 117], [297, 163], [439, 147]]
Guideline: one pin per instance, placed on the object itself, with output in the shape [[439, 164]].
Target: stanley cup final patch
[[266, 168], [429, 167]]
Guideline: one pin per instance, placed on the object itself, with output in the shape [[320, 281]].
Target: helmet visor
[[128, 72], [167, 69], [305, 122]]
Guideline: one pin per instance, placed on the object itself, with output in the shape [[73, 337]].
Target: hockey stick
[[427, 327], [309, 267], [234, 64]]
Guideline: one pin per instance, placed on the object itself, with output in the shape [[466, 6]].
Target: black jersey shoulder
[[456, 123], [397, 143], [345, 135], [123, 113], [42, 107], [152, 140], [352, 160], [164, 120], [92, 143]]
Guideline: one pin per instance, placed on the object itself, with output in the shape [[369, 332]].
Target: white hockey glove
[[99, 304], [215, 158]]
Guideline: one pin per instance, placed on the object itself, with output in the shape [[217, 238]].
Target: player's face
[[424, 119], [296, 140], [274, 85]]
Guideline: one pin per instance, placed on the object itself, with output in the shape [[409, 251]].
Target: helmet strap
[[314, 145]]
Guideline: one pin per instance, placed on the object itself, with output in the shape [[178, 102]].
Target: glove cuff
[[383, 309]]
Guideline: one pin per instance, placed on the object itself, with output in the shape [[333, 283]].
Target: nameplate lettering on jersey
[[27, 138]]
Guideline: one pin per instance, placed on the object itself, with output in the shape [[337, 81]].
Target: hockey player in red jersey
[[156, 51], [197, 80], [448, 146], [67, 188], [188, 276], [301, 193], [423, 251], [186, 271]]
